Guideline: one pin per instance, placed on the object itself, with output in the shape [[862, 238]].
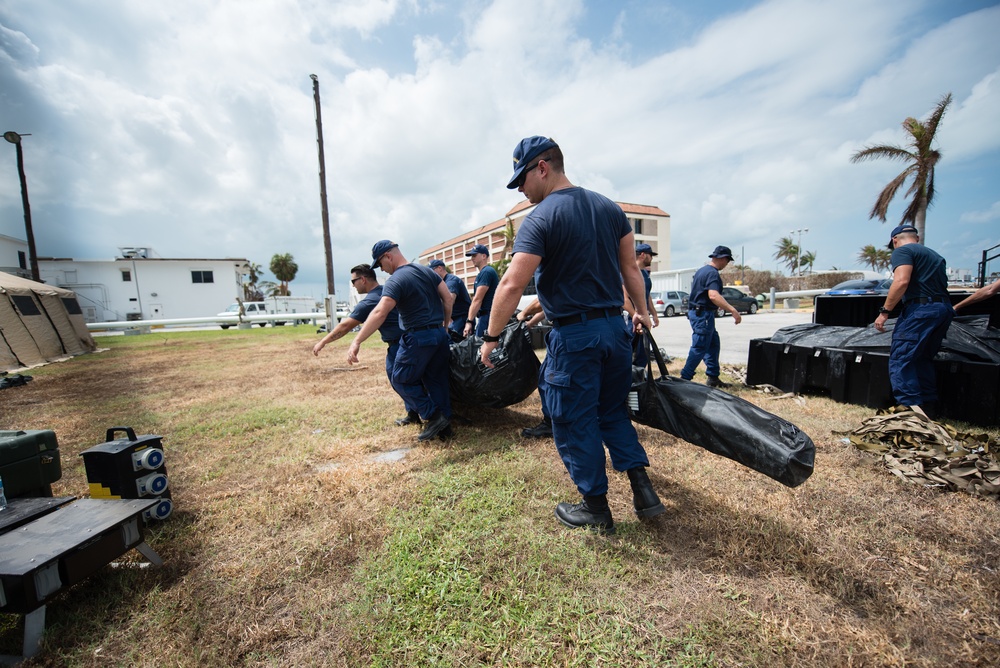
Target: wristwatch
[[490, 339], [883, 309]]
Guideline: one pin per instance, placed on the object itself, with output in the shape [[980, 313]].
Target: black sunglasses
[[355, 280], [524, 174]]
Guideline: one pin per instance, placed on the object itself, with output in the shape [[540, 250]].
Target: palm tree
[[876, 258], [787, 253], [284, 269], [921, 158], [251, 292], [808, 259], [508, 234]]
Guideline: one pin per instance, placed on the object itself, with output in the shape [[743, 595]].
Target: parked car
[[739, 300], [670, 302], [877, 286]]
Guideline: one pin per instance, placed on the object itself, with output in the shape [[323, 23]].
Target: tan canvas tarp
[[39, 323], [55, 309], [18, 338]]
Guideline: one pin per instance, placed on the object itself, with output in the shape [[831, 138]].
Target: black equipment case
[[29, 462]]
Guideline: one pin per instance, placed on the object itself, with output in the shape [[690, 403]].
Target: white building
[[14, 256], [650, 224], [138, 285]]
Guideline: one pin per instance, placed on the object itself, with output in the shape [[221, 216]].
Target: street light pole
[[798, 248], [15, 139], [327, 246]]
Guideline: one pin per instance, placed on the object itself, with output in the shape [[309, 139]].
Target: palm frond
[[882, 151], [888, 193], [937, 115]]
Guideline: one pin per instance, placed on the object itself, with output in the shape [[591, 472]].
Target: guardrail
[[232, 320]]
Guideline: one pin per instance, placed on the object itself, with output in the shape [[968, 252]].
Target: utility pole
[[15, 139], [327, 246], [798, 254]]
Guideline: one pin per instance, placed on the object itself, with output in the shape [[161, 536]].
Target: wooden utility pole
[[327, 246]]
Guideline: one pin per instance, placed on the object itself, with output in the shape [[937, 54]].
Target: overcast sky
[[189, 126]]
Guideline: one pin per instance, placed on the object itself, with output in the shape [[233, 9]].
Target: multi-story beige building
[[650, 223]]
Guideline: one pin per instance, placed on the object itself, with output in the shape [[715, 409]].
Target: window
[[25, 305], [22, 260], [637, 226], [202, 277], [69, 276], [126, 275]]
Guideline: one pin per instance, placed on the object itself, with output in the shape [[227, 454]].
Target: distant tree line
[[761, 282]]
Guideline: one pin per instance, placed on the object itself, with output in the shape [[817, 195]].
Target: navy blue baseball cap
[[436, 263], [524, 152], [381, 248], [478, 248], [899, 229], [722, 251], [644, 248]]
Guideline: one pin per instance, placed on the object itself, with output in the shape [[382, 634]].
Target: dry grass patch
[[292, 544]]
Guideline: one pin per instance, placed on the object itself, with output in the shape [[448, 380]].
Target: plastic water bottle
[[3, 497]]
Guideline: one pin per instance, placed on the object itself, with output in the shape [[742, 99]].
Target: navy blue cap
[[436, 263], [644, 248], [478, 248], [899, 229], [722, 251], [525, 151], [381, 248]]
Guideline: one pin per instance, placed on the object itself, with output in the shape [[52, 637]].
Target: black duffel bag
[[721, 423], [513, 379]]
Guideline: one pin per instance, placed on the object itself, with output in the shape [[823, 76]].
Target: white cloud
[[191, 127], [989, 215]]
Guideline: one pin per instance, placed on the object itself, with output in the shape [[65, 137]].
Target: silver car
[[670, 302]]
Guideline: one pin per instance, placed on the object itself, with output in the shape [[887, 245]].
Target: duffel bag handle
[[128, 432], [651, 346]]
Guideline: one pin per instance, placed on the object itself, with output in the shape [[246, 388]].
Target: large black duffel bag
[[513, 379], [722, 424]]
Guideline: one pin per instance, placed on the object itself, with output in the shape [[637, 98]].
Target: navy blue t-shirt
[[414, 287], [489, 277], [577, 233], [648, 282], [705, 279], [456, 286], [929, 277], [389, 330]]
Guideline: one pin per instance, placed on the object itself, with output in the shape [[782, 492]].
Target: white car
[[249, 308]]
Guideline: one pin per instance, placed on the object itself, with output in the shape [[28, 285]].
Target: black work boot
[[593, 513], [644, 498], [437, 424], [412, 417], [542, 430], [713, 381]]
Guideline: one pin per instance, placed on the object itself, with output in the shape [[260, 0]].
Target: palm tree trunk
[[919, 221]]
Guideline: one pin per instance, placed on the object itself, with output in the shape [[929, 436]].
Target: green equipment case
[[29, 462]]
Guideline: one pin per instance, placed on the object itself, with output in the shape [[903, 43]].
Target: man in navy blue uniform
[[706, 297], [456, 286], [920, 281], [643, 259], [363, 280], [580, 248], [420, 373], [482, 291]]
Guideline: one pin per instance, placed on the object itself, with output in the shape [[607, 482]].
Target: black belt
[[423, 328], [593, 314], [927, 300], [699, 309]]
